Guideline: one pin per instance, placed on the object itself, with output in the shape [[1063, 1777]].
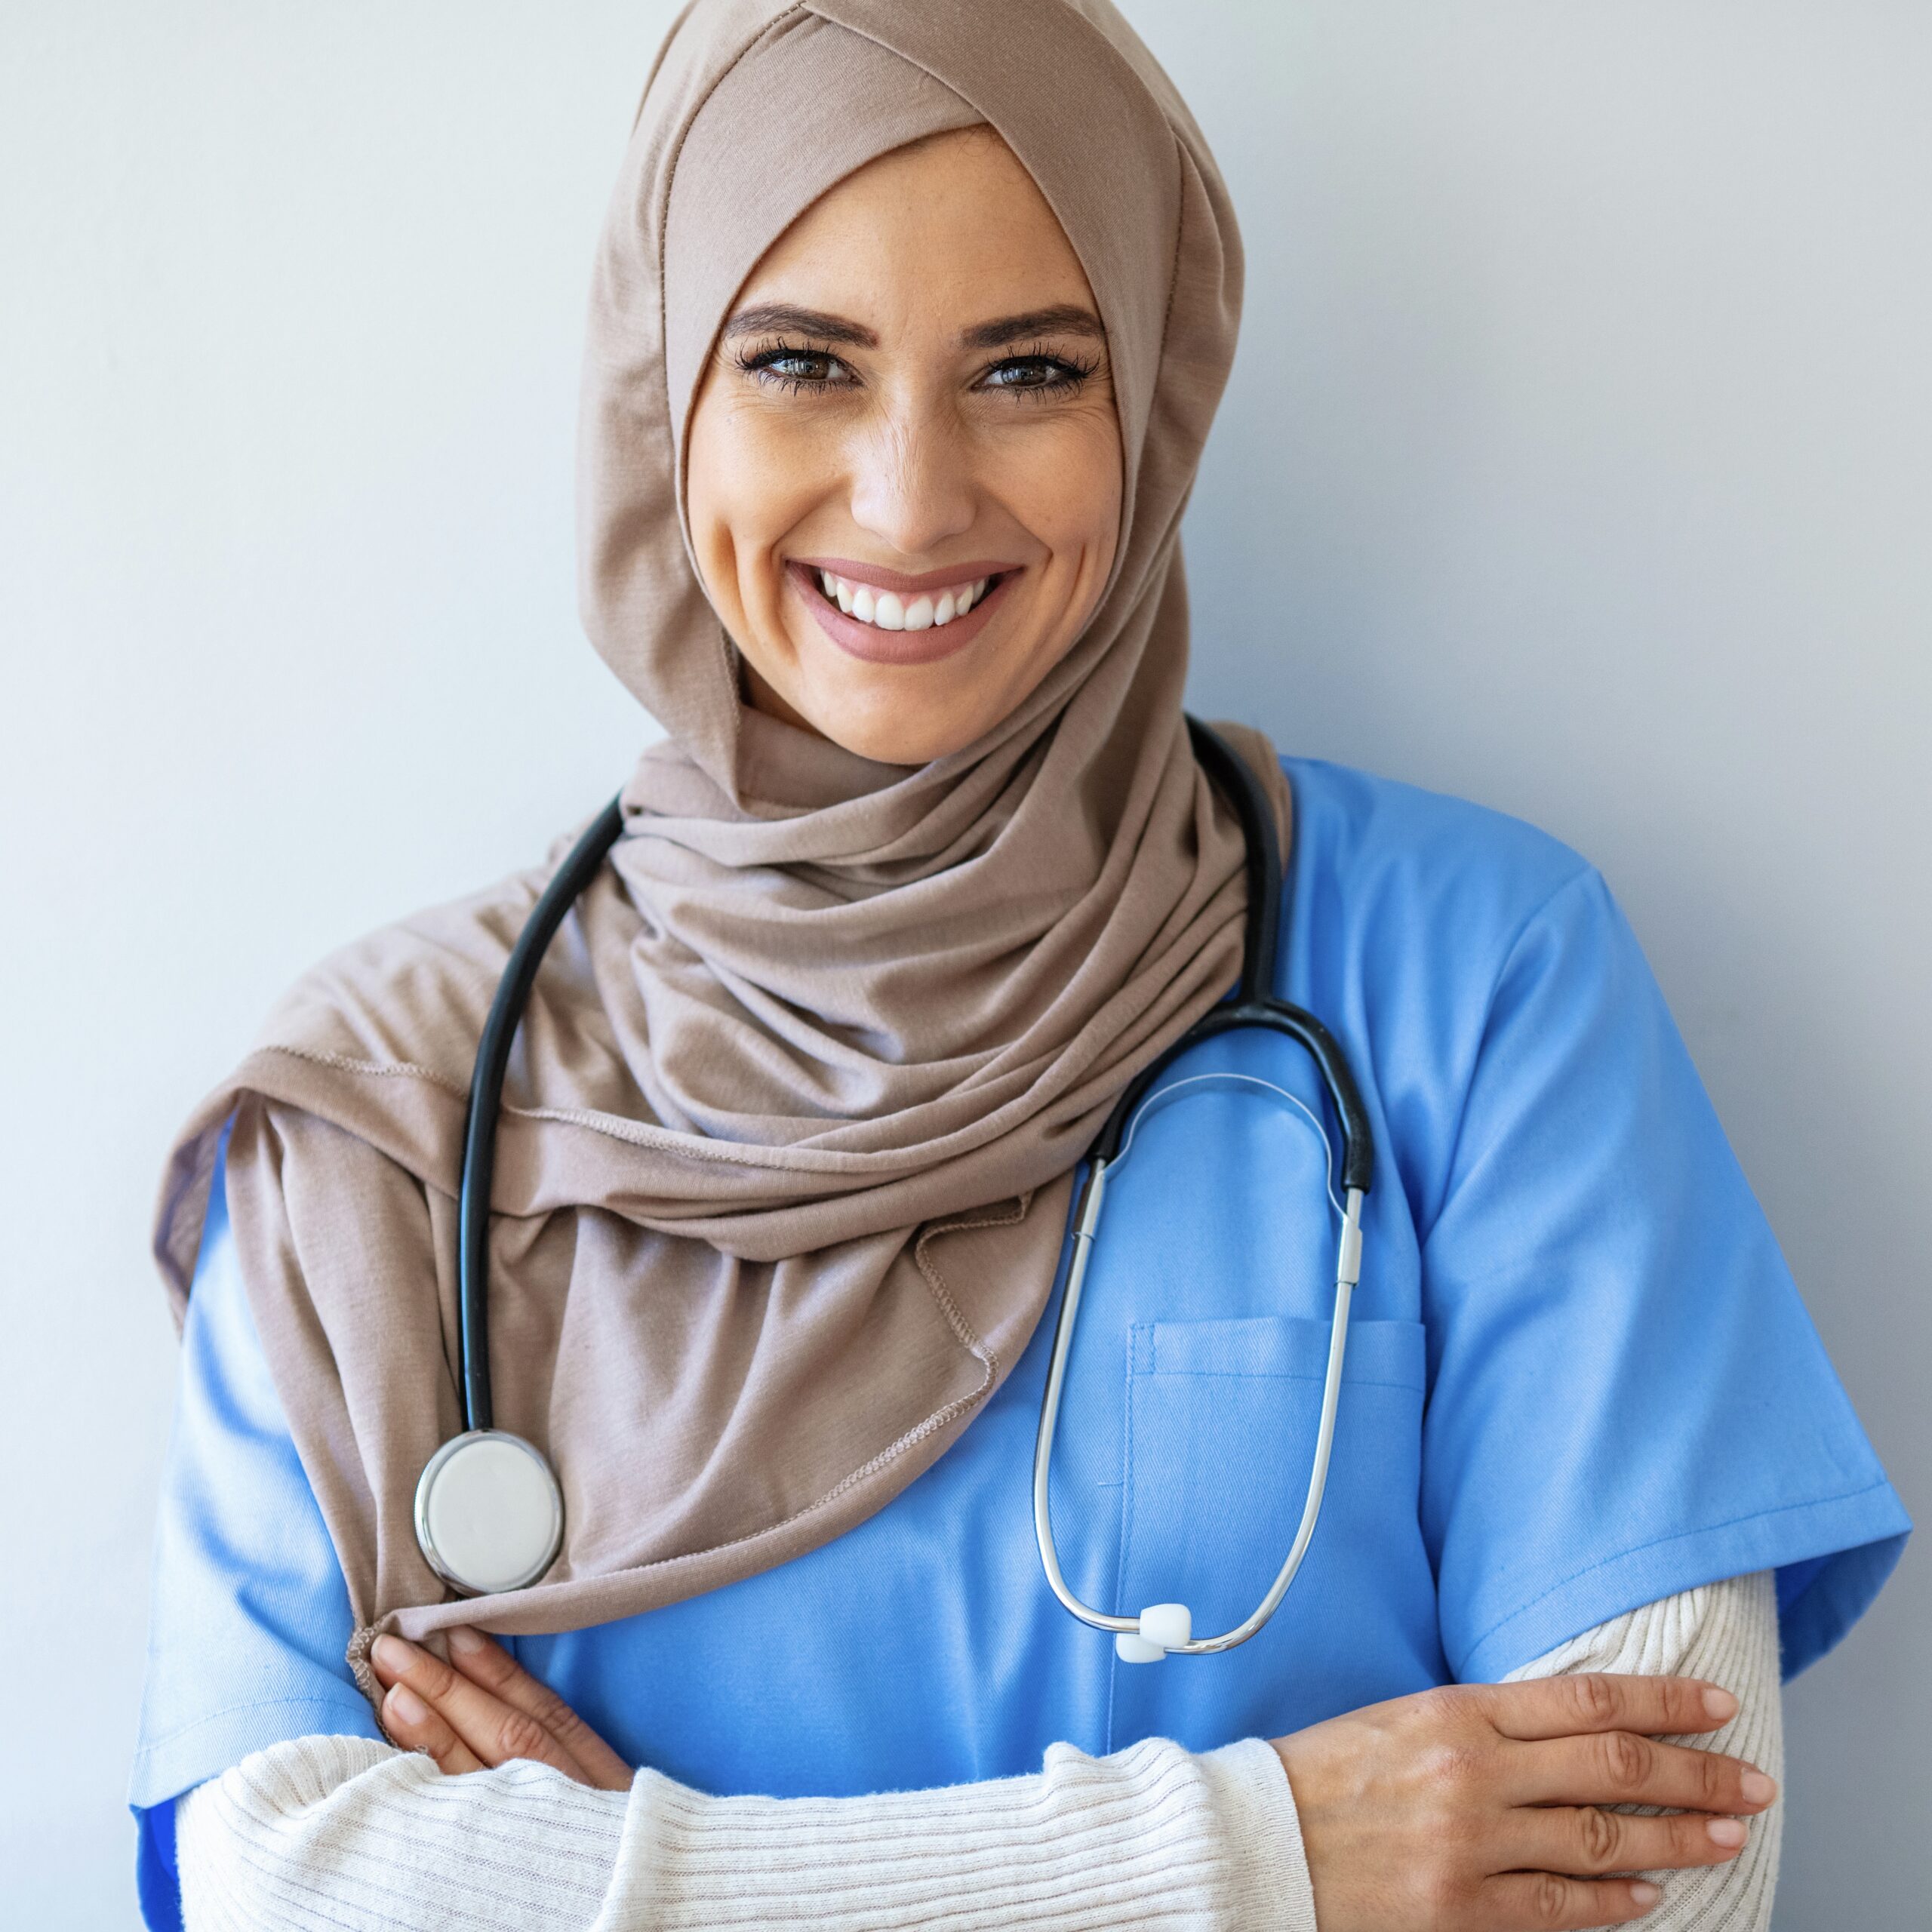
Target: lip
[[882, 578], [879, 647]]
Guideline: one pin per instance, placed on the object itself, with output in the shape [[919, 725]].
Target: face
[[903, 476]]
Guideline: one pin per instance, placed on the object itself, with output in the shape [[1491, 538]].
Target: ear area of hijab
[[724, 160]]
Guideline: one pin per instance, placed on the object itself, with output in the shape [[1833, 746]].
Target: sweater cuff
[[1269, 1881]]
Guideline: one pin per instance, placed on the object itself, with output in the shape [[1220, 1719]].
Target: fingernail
[[1644, 1893], [1758, 1788], [1729, 1833], [1720, 1704], [462, 1638], [405, 1706], [392, 1652]]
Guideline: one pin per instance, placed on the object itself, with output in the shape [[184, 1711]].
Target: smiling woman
[[885, 467], [909, 326]]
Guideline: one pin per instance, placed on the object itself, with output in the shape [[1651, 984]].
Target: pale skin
[[914, 381]]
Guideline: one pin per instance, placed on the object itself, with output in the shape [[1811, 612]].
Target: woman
[[908, 326]]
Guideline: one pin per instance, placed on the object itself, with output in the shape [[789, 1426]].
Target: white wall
[[1579, 459]]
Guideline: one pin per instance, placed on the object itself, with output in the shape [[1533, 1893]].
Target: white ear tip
[[1163, 1627], [1169, 1625]]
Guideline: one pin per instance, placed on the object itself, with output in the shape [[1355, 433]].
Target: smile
[[917, 623]]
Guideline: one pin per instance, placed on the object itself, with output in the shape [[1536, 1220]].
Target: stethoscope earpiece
[[1163, 1627]]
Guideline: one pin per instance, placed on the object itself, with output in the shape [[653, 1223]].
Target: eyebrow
[[765, 318], [1063, 319]]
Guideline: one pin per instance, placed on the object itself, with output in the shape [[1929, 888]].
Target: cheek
[[750, 479], [1068, 494]]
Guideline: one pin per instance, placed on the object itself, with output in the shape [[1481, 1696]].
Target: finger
[[415, 1726], [492, 1667], [1583, 1840], [1606, 1700], [1620, 1767], [495, 1731], [1545, 1901]]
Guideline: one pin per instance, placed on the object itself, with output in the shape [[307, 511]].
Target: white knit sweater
[[342, 1835]]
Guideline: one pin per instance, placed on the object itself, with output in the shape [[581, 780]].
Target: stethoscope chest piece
[[489, 1514]]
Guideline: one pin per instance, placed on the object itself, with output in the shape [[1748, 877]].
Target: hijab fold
[[786, 1151]]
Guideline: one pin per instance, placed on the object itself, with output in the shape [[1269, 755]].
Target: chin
[[880, 725]]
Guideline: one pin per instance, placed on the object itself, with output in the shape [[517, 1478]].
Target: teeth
[[891, 612]]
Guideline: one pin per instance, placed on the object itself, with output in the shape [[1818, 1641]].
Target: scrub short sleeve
[[1627, 1397], [249, 1616]]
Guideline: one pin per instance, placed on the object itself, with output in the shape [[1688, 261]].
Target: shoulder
[[1457, 951], [1392, 872], [409, 994], [1386, 837]]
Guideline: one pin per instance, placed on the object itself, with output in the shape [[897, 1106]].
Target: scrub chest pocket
[[1220, 1422]]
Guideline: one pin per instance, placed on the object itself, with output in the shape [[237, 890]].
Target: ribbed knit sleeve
[[1727, 1634], [344, 1834]]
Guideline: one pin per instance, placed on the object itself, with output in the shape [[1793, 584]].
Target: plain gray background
[[1578, 459]]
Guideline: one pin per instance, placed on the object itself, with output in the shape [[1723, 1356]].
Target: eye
[[1038, 373], [784, 365]]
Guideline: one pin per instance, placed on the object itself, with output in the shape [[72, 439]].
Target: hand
[[482, 1709], [1475, 1808]]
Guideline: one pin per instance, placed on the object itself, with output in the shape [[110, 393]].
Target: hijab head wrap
[[786, 1147]]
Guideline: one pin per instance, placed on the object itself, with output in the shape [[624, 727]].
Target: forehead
[[948, 228]]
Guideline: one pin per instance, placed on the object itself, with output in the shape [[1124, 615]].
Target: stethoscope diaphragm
[[489, 1514]]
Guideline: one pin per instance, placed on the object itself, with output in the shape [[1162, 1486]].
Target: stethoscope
[[489, 1510]]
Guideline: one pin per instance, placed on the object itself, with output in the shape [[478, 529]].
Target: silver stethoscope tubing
[[489, 1509], [1166, 1629]]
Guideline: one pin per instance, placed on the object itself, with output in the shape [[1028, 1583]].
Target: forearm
[[343, 1834], [1727, 1633], [348, 1834]]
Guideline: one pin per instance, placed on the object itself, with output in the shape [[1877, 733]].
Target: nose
[[912, 482]]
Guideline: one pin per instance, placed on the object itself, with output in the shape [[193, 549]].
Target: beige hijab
[[785, 1157]]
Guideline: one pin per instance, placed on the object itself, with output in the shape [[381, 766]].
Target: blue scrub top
[[1579, 1378]]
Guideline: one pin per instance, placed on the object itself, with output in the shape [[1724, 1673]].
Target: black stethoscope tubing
[[579, 867]]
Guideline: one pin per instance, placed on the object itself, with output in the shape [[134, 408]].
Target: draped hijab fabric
[[786, 1146]]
